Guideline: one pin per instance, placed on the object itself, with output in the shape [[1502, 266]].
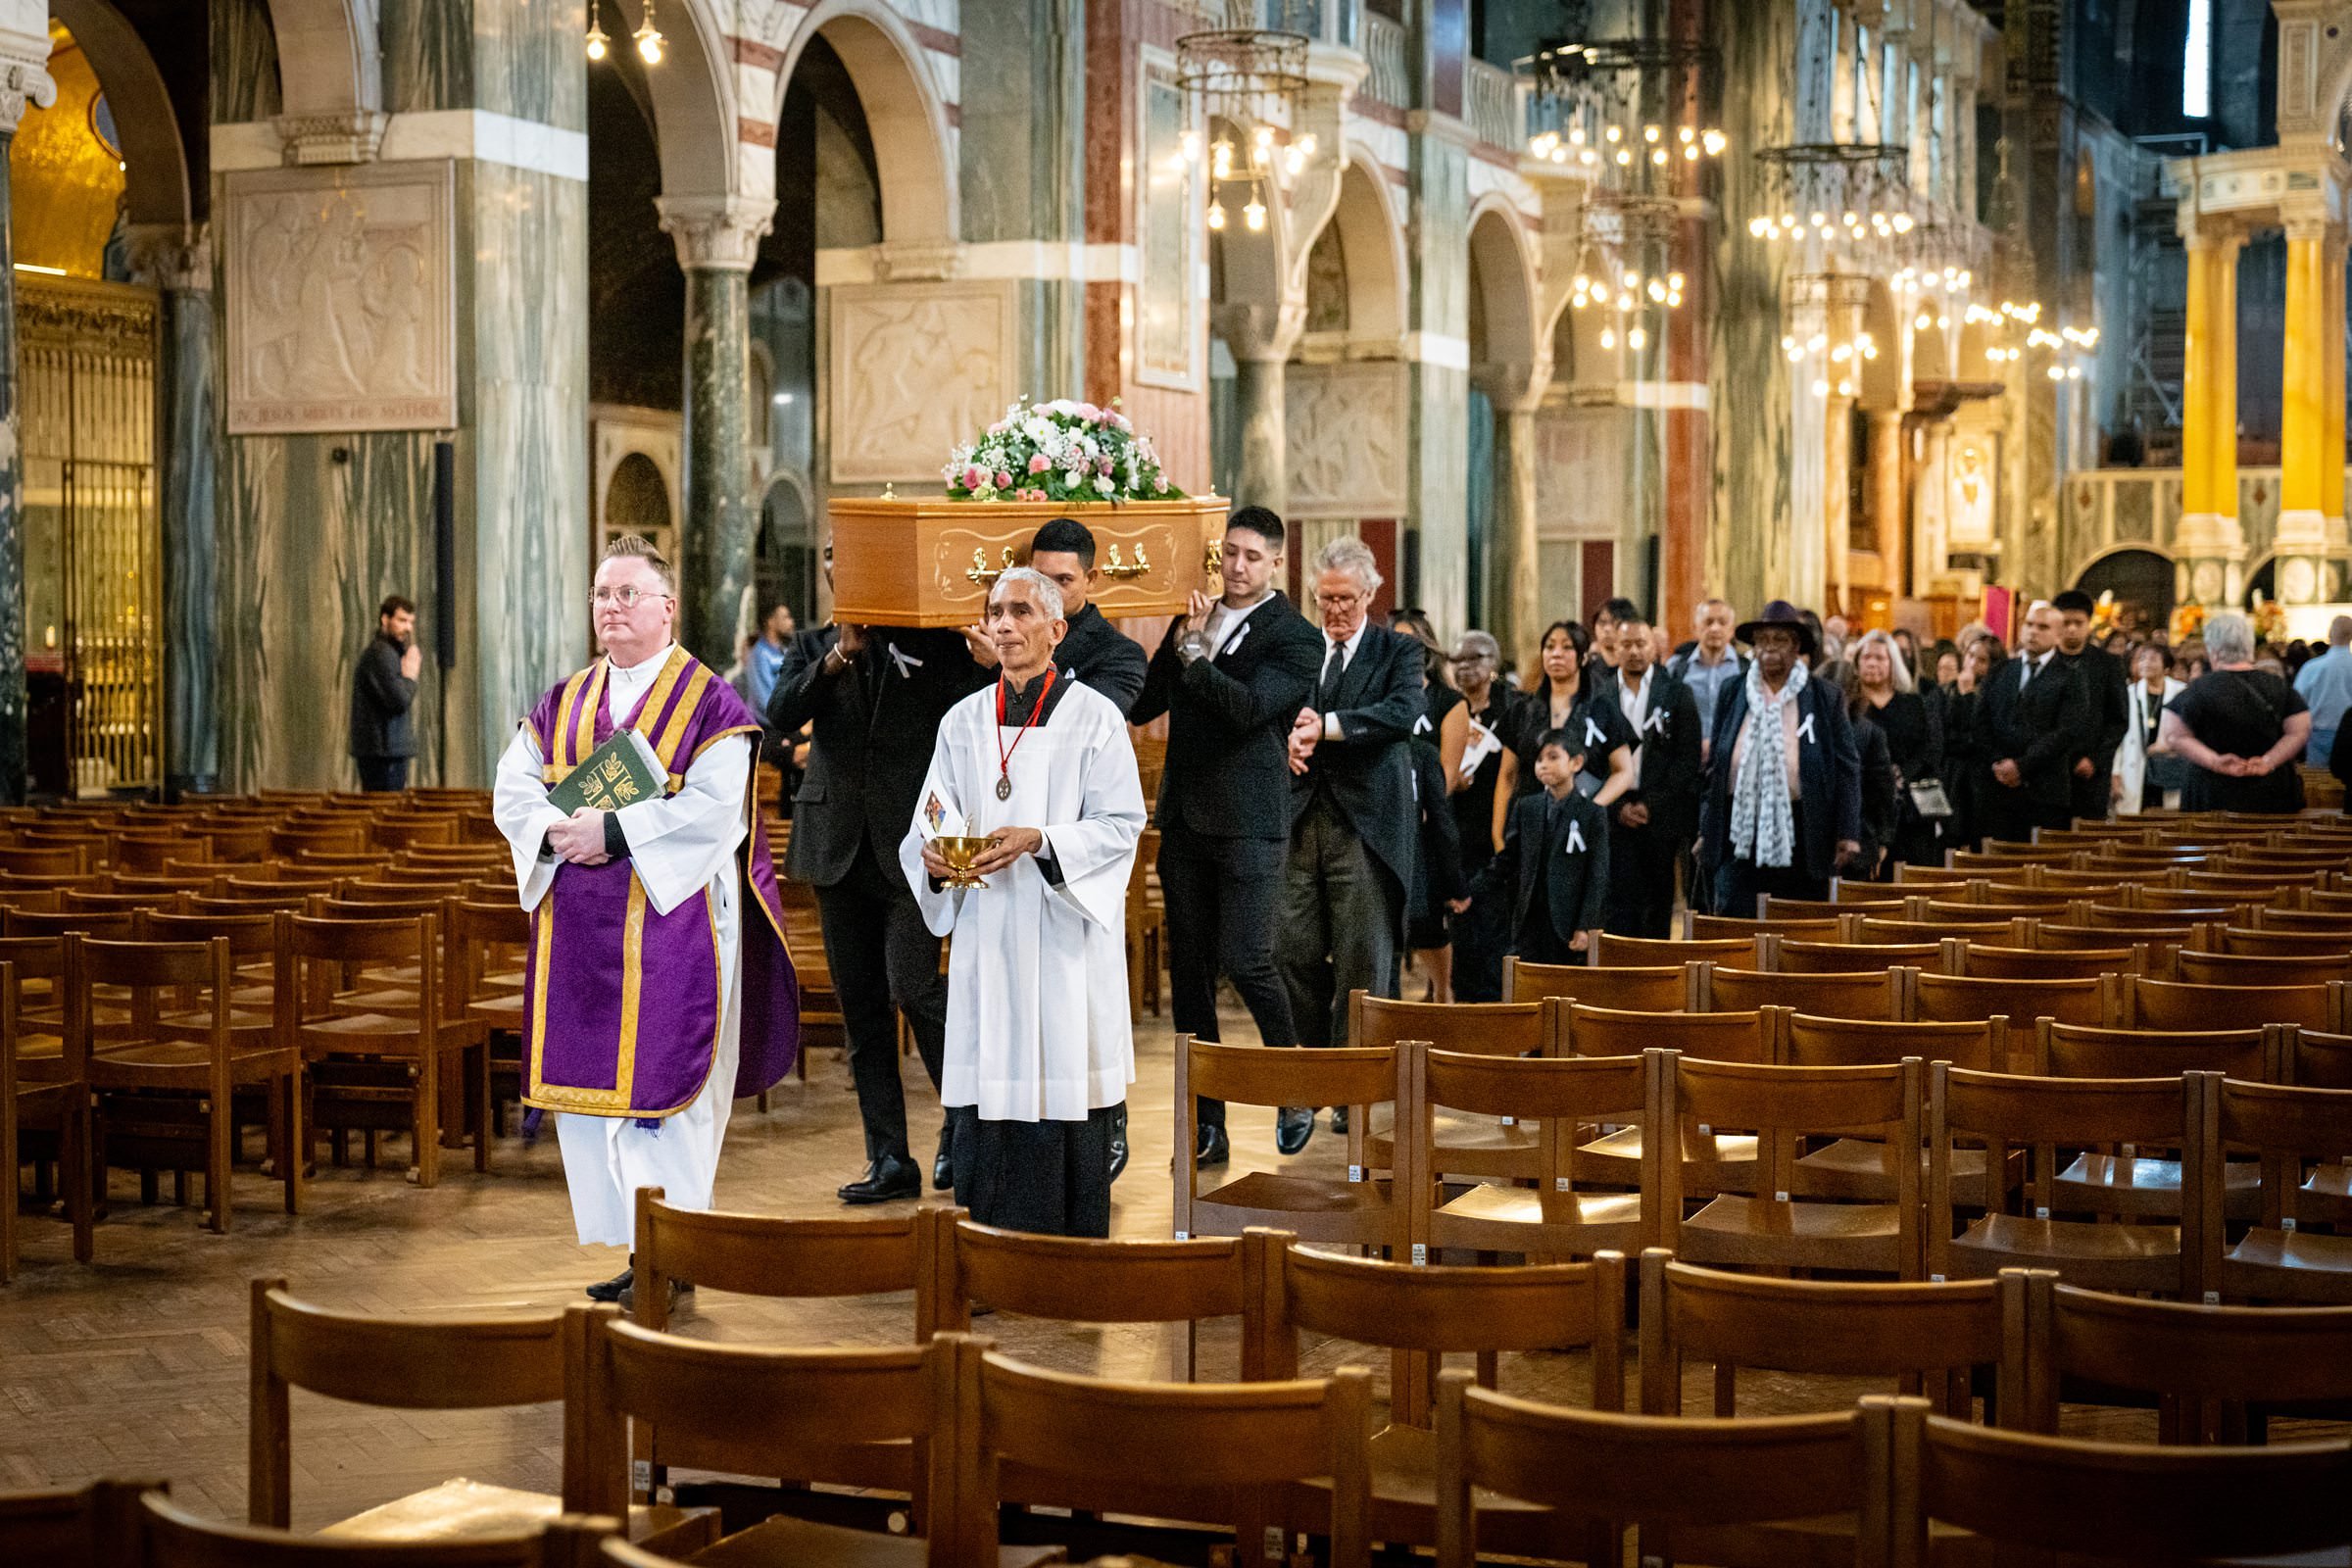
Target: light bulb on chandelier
[[648, 36], [1254, 215], [1216, 215]]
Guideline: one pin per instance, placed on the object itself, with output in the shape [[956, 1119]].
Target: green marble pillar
[[1438, 320], [717, 240]]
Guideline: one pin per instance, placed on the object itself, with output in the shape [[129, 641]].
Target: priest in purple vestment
[[657, 988]]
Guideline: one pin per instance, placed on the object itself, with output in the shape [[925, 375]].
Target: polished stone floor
[[136, 1366]]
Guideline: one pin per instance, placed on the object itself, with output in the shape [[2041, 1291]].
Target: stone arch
[[1372, 237], [329, 56], [2130, 571], [692, 95], [903, 114], [1502, 282], [156, 164]]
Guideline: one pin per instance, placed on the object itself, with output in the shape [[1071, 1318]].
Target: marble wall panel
[[190, 520], [428, 53], [914, 369], [1349, 439], [1580, 476], [244, 58]]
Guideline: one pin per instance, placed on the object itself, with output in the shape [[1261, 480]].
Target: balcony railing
[[1494, 114], [1385, 48]]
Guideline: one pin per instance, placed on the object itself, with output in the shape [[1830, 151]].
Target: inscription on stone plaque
[[341, 298]]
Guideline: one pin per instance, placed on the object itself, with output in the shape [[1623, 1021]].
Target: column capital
[[2306, 225], [174, 258], [342, 136], [716, 233], [1261, 330], [23, 82]]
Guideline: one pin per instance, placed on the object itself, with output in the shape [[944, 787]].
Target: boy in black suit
[[1554, 862]]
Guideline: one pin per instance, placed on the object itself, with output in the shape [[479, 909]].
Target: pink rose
[[973, 478], [1038, 462], [1004, 480], [1102, 465]]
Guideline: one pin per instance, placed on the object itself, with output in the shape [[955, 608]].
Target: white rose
[[1104, 485]]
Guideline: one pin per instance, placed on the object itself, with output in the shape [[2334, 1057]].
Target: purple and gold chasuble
[[623, 1009]]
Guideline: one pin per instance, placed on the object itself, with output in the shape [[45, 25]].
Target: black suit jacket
[[1829, 776], [2039, 728], [871, 729], [2108, 707], [1103, 657], [1367, 771], [1228, 770], [1575, 878], [1670, 781]]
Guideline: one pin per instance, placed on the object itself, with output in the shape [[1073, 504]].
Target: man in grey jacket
[[383, 689]]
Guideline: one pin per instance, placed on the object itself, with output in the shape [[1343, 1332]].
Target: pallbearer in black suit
[[1230, 675], [1652, 825], [2091, 787], [1094, 650], [1353, 820], [1554, 871], [2030, 719]]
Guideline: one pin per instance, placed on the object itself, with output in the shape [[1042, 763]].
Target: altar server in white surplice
[[1039, 1054]]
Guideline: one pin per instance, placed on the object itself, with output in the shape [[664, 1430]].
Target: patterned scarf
[[1763, 827]]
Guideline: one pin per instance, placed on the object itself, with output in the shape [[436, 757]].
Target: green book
[[620, 772]]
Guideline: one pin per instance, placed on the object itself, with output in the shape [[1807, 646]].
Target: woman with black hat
[[1784, 804]]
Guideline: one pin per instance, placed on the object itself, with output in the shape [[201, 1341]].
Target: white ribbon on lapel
[[1575, 839], [1805, 731], [907, 663]]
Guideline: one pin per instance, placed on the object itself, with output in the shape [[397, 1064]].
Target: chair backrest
[[2288, 1125], [1580, 1031], [1684, 1479], [1944, 998], [1722, 927], [1238, 1443], [1641, 988], [2184, 1350], [247, 935], [2275, 942], [404, 1364], [1613, 949], [1834, 996], [1910, 933], [1817, 1042], [2261, 969], [2073, 1050], [2024, 1494], [1855, 958], [1425, 1311], [115, 925], [169, 1536], [87, 1527], [1903, 1329], [1252, 1075], [742, 1409], [1985, 960], [145, 969], [1495, 1028], [1782, 1106], [766, 1255], [2319, 1059], [2143, 1003]]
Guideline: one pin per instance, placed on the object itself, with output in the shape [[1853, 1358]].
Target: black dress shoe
[[613, 1288], [1118, 1143], [1339, 1118], [942, 1163], [1210, 1147], [886, 1181], [1294, 1125]]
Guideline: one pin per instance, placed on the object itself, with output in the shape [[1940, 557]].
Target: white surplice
[[1038, 1028], [677, 843]]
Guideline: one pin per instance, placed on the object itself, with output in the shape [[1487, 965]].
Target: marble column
[[1931, 502], [1514, 575], [1263, 479], [1887, 501], [21, 80], [717, 239], [2301, 540], [2210, 545], [177, 261]]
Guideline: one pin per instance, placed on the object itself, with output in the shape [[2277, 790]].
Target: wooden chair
[[2316, 1059], [1856, 1167], [2160, 943], [1420, 1315], [1645, 988], [2215, 1367], [1558, 1216], [110, 925], [769, 1255], [1652, 951], [2261, 969], [1464, 1145], [373, 1056], [95, 1526], [51, 1095], [486, 942], [753, 1412], [1245, 1448], [1931, 1335], [1068, 1279], [1357, 1210], [1757, 1221], [172, 1538], [1846, 898], [1699, 1489], [1147, 930], [2283, 1257], [1724, 927], [2046, 1116], [2142, 1003], [1885, 994], [1984, 961], [2026, 1497], [162, 1083], [1912, 933], [1953, 998], [1854, 957]]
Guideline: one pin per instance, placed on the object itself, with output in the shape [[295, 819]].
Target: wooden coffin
[[929, 562]]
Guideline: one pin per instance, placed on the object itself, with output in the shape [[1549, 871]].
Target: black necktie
[[1333, 669]]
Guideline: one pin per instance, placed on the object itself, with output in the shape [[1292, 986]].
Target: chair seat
[[787, 1543], [2289, 1265], [363, 1034], [1617, 1157], [1501, 1220], [499, 1013], [460, 1509], [1405, 1502], [1855, 1167], [179, 1064], [1737, 1228], [1466, 1145], [2101, 1257], [2113, 1184], [1319, 1208]]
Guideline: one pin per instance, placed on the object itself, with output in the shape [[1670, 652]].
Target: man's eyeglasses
[[627, 596]]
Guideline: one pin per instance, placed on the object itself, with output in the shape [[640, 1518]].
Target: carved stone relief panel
[[1579, 471], [917, 369], [1345, 426], [341, 298]]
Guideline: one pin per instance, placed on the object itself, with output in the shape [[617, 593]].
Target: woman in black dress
[[1914, 731], [1965, 765], [1880, 785], [1490, 712], [2237, 729], [1439, 740], [1563, 699]]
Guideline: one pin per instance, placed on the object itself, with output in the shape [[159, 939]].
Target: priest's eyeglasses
[[627, 596]]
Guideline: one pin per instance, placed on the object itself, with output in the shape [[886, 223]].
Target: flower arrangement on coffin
[[2103, 613], [1058, 451], [2188, 620], [2270, 619]]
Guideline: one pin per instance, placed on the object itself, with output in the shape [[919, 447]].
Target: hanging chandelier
[[1617, 270], [1631, 110], [1822, 334], [1859, 192], [1244, 78], [648, 36], [600, 42]]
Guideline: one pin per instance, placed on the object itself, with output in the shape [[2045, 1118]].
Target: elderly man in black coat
[[1354, 819], [1784, 804]]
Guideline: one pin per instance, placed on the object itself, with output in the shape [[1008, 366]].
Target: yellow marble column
[[2209, 548], [2222, 277], [2196, 383], [2302, 536], [2332, 412]]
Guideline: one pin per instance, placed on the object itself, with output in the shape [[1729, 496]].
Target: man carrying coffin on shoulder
[[659, 989], [1039, 1048]]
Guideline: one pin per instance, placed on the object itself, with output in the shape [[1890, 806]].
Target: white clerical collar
[[647, 664]]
